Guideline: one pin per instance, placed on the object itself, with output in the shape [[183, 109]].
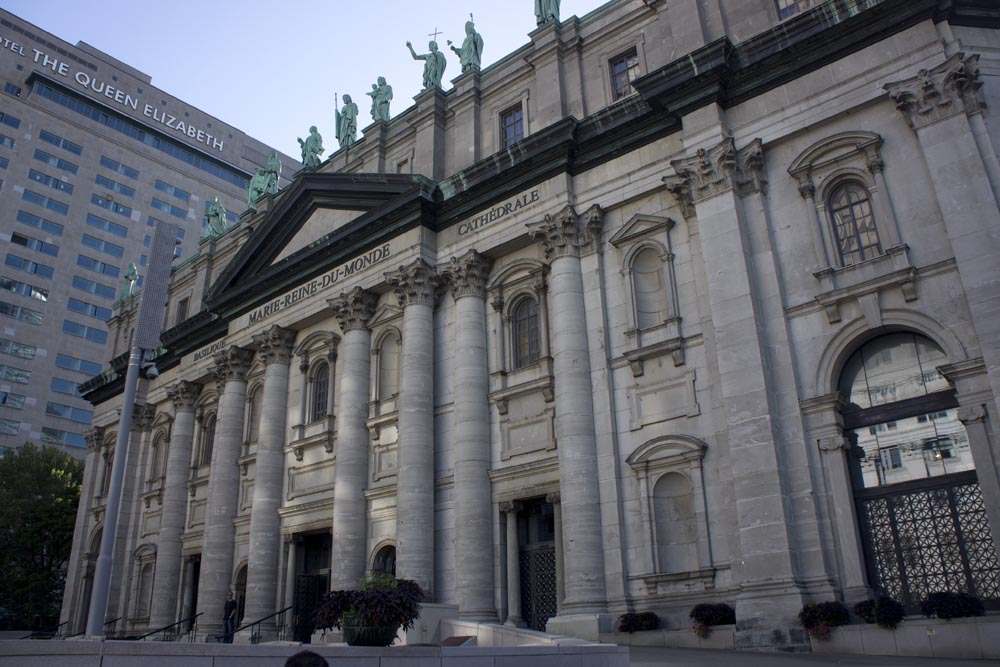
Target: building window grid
[[55, 161], [525, 333], [23, 289], [32, 243], [9, 426], [512, 125], [107, 225], [39, 222], [12, 89], [97, 266], [114, 186], [50, 181], [13, 401], [68, 412], [118, 167], [59, 142], [6, 141], [4, 163], [9, 120], [173, 190], [15, 349], [18, 375], [62, 386], [624, 69], [85, 308], [26, 265], [45, 202], [92, 287], [853, 223], [21, 313], [320, 392], [101, 245], [110, 204], [83, 331], [57, 436], [75, 364]]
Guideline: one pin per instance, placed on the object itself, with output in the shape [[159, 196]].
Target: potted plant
[[638, 622], [372, 614], [951, 605], [706, 615], [818, 619], [884, 611]]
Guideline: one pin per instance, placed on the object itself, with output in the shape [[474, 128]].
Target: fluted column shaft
[[275, 349], [223, 489], [473, 508], [513, 566], [175, 496], [353, 310], [416, 286]]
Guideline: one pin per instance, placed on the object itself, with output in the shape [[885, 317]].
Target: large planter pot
[[356, 634]]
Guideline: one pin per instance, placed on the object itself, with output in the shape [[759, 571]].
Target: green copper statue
[[546, 11], [312, 148], [258, 188], [381, 94], [434, 64], [471, 53], [347, 123], [215, 219], [128, 282], [273, 169]]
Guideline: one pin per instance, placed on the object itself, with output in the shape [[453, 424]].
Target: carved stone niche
[[649, 338]]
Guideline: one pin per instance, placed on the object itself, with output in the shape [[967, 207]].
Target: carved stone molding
[[942, 91], [567, 234], [468, 274], [415, 283], [511, 506], [712, 171], [184, 394], [971, 414], [554, 498], [143, 416], [836, 443], [353, 309], [94, 437], [275, 345], [232, 364]]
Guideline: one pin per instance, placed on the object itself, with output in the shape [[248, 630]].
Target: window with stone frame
[[157, 459], [388, 365], [206, 441], [511, 125], [648, 290], [254, 405], [385, 561], [524, 333], [623, 70], [319, 391], [854, 229]]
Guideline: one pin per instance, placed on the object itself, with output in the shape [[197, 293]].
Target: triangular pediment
[[384, 313], [316, 222], [641, 225]]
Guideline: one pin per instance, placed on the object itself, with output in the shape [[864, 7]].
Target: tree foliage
[[39, 493]]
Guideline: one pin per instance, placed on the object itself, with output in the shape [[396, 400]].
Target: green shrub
[[381, 601], [713, 614], [884, 611], [818, 619], [637, 622], [951, 605]]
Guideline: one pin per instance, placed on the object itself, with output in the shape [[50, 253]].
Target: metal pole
[[102, 571]]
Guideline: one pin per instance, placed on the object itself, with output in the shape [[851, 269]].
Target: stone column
[[231, 367], [291, 541], [513, 566], [75, 598], [562, 237], [473, 503], [416, 285], [836, 453], [187, 597], [555, 499], [353, 310], [175, 495], [274, 347]]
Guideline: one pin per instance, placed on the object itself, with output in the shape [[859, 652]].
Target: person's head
[[347, 99], [306, 659], [312, 130], [433, 46], [470, 27], [381, 81], [229, 595]]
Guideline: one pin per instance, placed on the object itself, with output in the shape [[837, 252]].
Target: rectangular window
[[182, 310], [511, 126], [163, 186], [9, 400], [6, 141], [65, 387], [74, 364], [116, 166], [114, 186], [54, 435], [24, 289], [51, 181], [85, 308], [9, 426], [104, 246], [59, 142], [93, 288], [68, 412], [32, 243], [15, 349], [110, 204], [97, 266], [175, 211], [45, 202], [11, 89], [4, 163], [624, 69], [107, 225], [7, 119], [21, 313], [54, 161], [39, 222], [18, 375], [28, 266], [83, 331]]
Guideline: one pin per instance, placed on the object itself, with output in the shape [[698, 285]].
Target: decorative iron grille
[[538, 586]]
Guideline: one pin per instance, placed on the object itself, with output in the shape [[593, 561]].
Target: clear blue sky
[[271, 68]]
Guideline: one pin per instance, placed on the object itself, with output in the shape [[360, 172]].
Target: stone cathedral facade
[[680, 302]]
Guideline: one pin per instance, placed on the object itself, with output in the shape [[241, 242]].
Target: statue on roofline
[[347, 123], [258, 188], [381, 94], [215, 219], [127, 289], [273, 169], [434, 64], [546, 11], [471, 53], [312, 148]]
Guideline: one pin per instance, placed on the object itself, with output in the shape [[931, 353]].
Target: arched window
[[253, 414], [157, 467], [144, 590], [207, 441], [388, 366], [676, 527], [320, 392], [853, 223], [385, 561], [524, 333], [648, 289]]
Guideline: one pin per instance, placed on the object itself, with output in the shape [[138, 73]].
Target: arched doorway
[[921, 513], [240, 593], [385, 561]]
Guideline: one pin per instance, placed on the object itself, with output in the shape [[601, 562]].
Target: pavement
[[685, 657]]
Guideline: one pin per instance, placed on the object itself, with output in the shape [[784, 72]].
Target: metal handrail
[[45, 634], [255, 634], [112, 624], [172, 625]]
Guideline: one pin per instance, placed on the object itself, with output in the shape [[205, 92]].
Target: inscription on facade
[[499, 211], [316, 285], [210, 350]]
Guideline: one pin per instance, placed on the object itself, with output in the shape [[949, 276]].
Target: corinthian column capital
[[184, 394], [232, 363], [275, 345], [415, 283], [566, 234], [94, 437], [939, 92], [468, 274], [353, 309]]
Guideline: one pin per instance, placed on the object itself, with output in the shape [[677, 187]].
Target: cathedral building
[[680, 302]]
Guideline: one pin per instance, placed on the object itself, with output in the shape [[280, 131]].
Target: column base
[[581, 626], [514, 622], [767, 617]]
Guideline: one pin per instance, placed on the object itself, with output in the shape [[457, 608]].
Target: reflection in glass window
[[892, 368]]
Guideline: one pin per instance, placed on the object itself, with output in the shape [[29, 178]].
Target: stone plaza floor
[[685, 657]]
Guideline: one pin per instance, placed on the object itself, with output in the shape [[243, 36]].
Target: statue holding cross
[[434, 63]]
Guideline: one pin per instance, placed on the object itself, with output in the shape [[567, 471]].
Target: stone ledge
[[968, 638]]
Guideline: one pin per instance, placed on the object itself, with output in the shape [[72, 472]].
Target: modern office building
[[682, 301], [91, 155]]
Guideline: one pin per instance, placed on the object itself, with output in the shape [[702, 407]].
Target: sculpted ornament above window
[[937, 93]]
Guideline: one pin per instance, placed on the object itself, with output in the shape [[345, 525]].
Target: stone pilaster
[[467, 276], [513, 566], [274, 347], [416, 286], [174, 510], [231, 367], [563, 237], [353, 310]]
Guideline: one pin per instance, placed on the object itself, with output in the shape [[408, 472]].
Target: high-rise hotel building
[[91, 156]]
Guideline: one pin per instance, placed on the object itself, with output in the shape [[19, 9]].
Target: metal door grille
[[926, 537], [538, 586]]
